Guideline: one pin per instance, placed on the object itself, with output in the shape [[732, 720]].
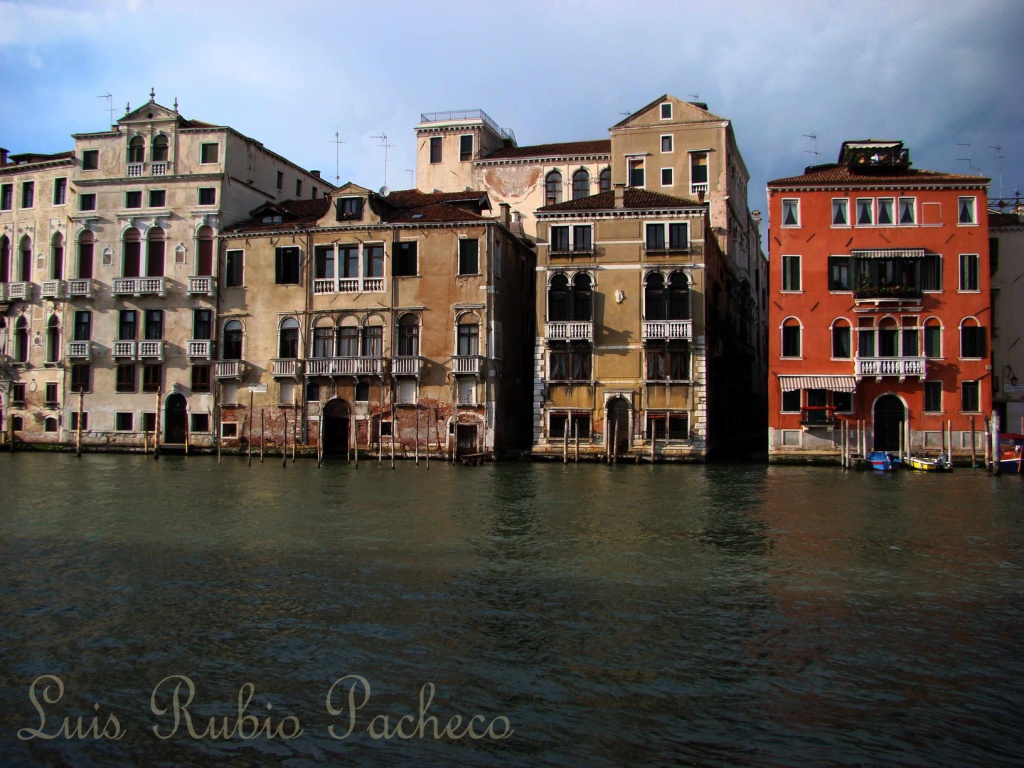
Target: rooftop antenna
[[110, 107], [625, 114], [1000, 157], [814, 138], [337, 159], [695, 96], [384, 143], [970, 165]]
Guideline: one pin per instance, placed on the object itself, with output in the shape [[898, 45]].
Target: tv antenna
[[695, 96], [814, 138], [1000, 157], [110, 107], [970, 164], [337, 158], [384, 144]]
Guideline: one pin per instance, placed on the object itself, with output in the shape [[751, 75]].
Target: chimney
[[506, 214], [620, 193], [315, 173], [3, 156]]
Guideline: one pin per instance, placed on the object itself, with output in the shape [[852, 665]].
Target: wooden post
[[380, 438], [426, 445], [355, 438], [997, 467], [188, 427], [295, 422], [654, 437], [576, 435], [284, 449], [156, 432], [320, 441], [392, 434], [249, 426], [145, 437], [261, 436], [974, 458], [78, 433], [615, 441], [565, 441], [417, 448], [216, 425]]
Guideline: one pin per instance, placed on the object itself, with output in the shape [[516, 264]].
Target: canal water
[[724, 615]]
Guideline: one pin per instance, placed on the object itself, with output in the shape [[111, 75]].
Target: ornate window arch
[[136, 149], [159, 150], [604, 180], [409, 335], [52, 339], [580, 183], [233, 336], [288, 339], [57, 256], [792, 333], [553, 187]]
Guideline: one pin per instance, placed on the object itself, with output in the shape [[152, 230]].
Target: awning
[[888, 253], [833, 383]]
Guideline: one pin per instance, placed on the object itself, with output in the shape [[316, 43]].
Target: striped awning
[[833, 383], [888, 253]]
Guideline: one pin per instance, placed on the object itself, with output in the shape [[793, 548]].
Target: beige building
[[1006, 253], [392, 322], [125, 267]]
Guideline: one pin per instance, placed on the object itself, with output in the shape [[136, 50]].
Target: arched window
[[888, 338], [160, 149], [842, 341], [312, 392], [132, 253], [57, 257], [53, 340], [558, 298], [655, 297], [137, 150], [21, 340], [86, 243], [155, 252], [408, 336], [5, 259], [582, 297], [232, 341], [932, 337], [288, 339], [972, 339], [604, 180], [323, 338], [468, 340], [791, 341], [553, 188], [26, 259], [678, 297], [580, 184]]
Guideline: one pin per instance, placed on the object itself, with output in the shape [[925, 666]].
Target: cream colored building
[[1006, 253]]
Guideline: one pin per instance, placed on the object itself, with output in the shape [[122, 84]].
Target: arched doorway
[[335, 428], [175, 418], [889, 416], [617, 426], [466, 439]]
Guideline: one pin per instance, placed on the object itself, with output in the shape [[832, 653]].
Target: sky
[[942, 76]]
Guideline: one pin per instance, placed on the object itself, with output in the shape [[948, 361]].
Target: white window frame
[[795, 203], [199, 191], [977, 274], [204, 144], [671, 144], [661, 110], [879, 203], [782, 340], [149, 198], [900, 201], [800, 274], [974, 211], [845, 202], [671, 177], [871, 212]]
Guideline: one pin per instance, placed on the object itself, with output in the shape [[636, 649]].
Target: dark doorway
[[617, 426], [335, 428], [465, 439], [889, 415], [175, 419]]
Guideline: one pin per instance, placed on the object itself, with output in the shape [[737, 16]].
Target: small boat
[[1010, 453], [884, 461], [939, 464]]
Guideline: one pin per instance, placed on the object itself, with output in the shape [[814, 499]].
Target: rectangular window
[[993, 255], [133, 199], [791, 273], [87, 201], [969, 272], [149, 422], [407, 386], [81, 378], [229, 429], [970, 402], [74, 421], [839, 273], [435, 149], [154, 324], [791, 341], [885, 215], [152, 376], [6, 197], [842, 402], [373, 261], [28, 194], [559, 239], [966, 213], [666, 177], [865, 212], [286, 265], [636, 172], [209, 153], [323, 262], [348, 260], [698, 172], [931, 272], [18, 393], [207, 196], [972, 342], [83, 325], [791, 401], [123, 421], [157, 198], [51, 394], [233, 269], [280, 179], [932, 341], [465, 148], [406, 262], [570, 363], [469, 257], [348, 208], [654, 237], [790, 213], [127, 325], [840, 212], [200, 378], [933, 396], [60, 191], [90, 159], [678, 236], [298, 187], [199, 422], [125, 379], [841, 342], [911, 342], [907, 210], [666, 110], [666, 143], [582, 240]]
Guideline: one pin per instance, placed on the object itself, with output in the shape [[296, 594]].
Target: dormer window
[[273, 218], [349, 208]]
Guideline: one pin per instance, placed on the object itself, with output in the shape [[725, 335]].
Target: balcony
[[200, 286], [140, 286], [406, 366], [158, 169], [573, 330], [892, 294], [52, 289], [348, 285], [125, 350], [574, 250], [151, 349], [285, 369], [344, 366], [668, 330], [19, 291], [889, 366], [229, 369], [671, 249], [79, 350], [79, 289], [699, 189], [199, 349], [135, 170], [467, 364]]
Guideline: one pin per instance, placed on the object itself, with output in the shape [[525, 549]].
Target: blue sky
[[935, 74]]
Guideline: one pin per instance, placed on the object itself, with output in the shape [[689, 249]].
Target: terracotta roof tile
[[632, 198], [437, 213], [295, 214], [410, 198], [595, 147], [840, 174]]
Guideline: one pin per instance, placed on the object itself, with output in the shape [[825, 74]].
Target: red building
[[880, 309]]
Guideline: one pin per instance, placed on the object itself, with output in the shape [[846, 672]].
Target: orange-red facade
[[880, 308]]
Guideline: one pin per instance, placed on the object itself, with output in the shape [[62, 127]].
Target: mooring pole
[[974, 456], [249, 419], [156, 432], [576, 434], [78, 431], [416, 450], [284, 451]]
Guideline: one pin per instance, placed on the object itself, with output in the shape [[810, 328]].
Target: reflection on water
[[720, 615]]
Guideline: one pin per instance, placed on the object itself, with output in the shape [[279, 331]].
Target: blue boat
[[884, 461]]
